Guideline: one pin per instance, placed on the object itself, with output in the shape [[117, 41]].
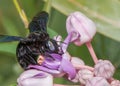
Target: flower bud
[[34, 77], [115, 83], [104, 68], [97, 81], [77, 61], [78, 22], [84, 75]]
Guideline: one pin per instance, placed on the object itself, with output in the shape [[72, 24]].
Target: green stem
[[47, 6], [92, 52], [21, 13]]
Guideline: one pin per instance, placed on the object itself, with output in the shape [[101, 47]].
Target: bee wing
[[6, 38], [39, 22]]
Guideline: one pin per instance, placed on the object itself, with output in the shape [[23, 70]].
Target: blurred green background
[[105, 14]]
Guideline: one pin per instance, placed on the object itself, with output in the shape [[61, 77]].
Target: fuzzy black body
[[37, 43]]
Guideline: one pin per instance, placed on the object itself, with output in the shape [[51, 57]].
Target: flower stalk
[[92, 52], [83, 67], [21, 13]]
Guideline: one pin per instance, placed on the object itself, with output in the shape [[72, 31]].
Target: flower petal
[[51, 71], [67, 67], [29, 78], [72, 36]]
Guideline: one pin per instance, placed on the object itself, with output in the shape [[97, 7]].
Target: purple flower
[[56, 65], [35, 77], [67, 67], [82, 25], [72, 36]]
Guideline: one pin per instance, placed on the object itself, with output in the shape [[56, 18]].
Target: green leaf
[[104, 13], [51, 32], [8, 47], [29, 8], [9, 26], [14, 84], [47, 6]]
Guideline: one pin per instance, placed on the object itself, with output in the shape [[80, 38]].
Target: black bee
[[36, 43]]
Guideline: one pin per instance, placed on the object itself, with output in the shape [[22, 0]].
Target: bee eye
[[51, 46]]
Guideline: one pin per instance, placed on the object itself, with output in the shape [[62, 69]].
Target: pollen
[[40, 59]]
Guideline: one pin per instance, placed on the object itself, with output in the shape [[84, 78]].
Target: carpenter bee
[[36, 43]]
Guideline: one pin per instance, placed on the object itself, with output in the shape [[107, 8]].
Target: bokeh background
[[105, 14]]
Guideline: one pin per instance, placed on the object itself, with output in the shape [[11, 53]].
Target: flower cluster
[[80, 30]]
